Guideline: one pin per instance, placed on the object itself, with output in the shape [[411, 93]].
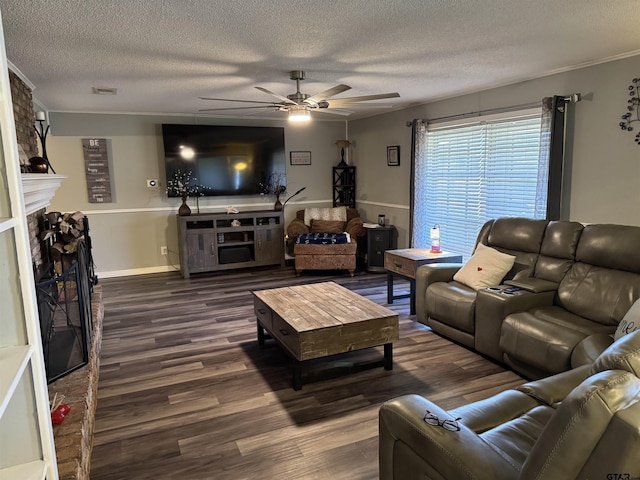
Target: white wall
[[127, 234], [602, 162]]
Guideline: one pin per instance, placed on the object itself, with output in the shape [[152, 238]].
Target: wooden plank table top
[[321, 305], [323, 319]]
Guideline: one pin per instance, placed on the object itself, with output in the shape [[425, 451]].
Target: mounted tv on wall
[[225, 160]]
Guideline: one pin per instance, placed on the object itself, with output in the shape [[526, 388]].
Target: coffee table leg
[[412, 297], [297, 375], [260, 334], [389, 288], [388, 356]]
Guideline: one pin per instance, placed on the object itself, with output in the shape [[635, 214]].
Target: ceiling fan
[[299, 105]]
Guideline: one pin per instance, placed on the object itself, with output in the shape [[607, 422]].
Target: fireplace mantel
[[38, 190]]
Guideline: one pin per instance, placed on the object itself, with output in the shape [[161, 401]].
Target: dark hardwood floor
[[185, 391]]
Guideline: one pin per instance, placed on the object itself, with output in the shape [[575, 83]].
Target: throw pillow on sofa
[[630, 322], [486, 268], [326, 226]]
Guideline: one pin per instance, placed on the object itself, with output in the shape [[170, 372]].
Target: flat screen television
[[224, 160]]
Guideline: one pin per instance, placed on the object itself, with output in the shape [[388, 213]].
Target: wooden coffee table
[[405, 262], [323, 319]]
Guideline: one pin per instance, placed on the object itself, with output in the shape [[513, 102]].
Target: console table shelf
[[210, 242]]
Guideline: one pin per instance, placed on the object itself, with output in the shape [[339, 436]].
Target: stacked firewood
[[62, 233]]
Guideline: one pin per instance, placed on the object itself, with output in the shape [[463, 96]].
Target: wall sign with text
[[96, 167]]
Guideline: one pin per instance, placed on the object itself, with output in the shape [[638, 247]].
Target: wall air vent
[[104, 91]]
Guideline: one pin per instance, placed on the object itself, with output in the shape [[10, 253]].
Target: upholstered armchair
[[329, 255]]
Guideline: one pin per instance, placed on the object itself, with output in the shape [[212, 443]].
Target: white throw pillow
[[486, 268], [337, 213], [630, 322]]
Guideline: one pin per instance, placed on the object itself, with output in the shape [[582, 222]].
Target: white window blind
[[467, 174]]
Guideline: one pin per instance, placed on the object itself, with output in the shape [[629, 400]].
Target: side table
[[405, 262], [379, 240]]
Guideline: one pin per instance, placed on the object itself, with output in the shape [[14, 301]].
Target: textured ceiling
[[162, 55]]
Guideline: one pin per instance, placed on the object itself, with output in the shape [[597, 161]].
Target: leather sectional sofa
[[579, 424], [555, 310]]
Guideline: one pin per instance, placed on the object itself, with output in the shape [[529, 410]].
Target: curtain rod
[[479, 113], [573, 98]]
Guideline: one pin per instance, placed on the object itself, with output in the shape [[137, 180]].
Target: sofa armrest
[[590, 348], [532, 284], [554, 389], [355, 228], [483, 415], [492, 307], [297, 227], [425, 276], [408, 443]]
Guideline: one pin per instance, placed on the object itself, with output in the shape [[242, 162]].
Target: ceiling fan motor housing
[[298, 97]]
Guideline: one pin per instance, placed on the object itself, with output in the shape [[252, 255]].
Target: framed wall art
[[300, 158], [393, 155]]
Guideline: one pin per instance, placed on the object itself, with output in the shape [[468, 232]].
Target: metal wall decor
[[41, 164], [633, 106]]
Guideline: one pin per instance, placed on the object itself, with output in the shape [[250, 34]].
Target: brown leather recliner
[[579, 424]]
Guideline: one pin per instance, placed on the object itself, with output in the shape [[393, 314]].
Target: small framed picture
[[300, 158], [393, 155]]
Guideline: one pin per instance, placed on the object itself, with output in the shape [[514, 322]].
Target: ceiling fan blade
[[337, 104], [327, 94], [239, 108], [259, 112], [279, 97], [231, 100], [365, 98], [336, 111]]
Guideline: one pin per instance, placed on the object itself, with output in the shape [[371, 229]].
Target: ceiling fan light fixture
[[299, 113]]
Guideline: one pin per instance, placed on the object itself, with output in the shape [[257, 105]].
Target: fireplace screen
[[64, 307]]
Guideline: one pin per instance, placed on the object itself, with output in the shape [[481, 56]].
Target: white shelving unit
[[27, 450]]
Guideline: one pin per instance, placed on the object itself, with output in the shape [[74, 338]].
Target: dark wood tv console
[[221, 241]]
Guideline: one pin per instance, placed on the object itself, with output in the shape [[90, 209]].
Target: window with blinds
[[466, 174]]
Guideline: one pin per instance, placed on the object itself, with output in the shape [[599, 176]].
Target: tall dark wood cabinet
[[344, 187]]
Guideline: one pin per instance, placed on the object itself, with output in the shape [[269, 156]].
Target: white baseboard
[[136, 271]]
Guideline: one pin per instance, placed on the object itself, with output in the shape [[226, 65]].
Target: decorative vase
[[39, 165], [342, 162], [184, 209], [278, 205]]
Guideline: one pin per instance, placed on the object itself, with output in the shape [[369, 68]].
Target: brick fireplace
[[74, 437]]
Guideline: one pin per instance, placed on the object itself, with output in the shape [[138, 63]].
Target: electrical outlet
[[152, 183], [163, 250]]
